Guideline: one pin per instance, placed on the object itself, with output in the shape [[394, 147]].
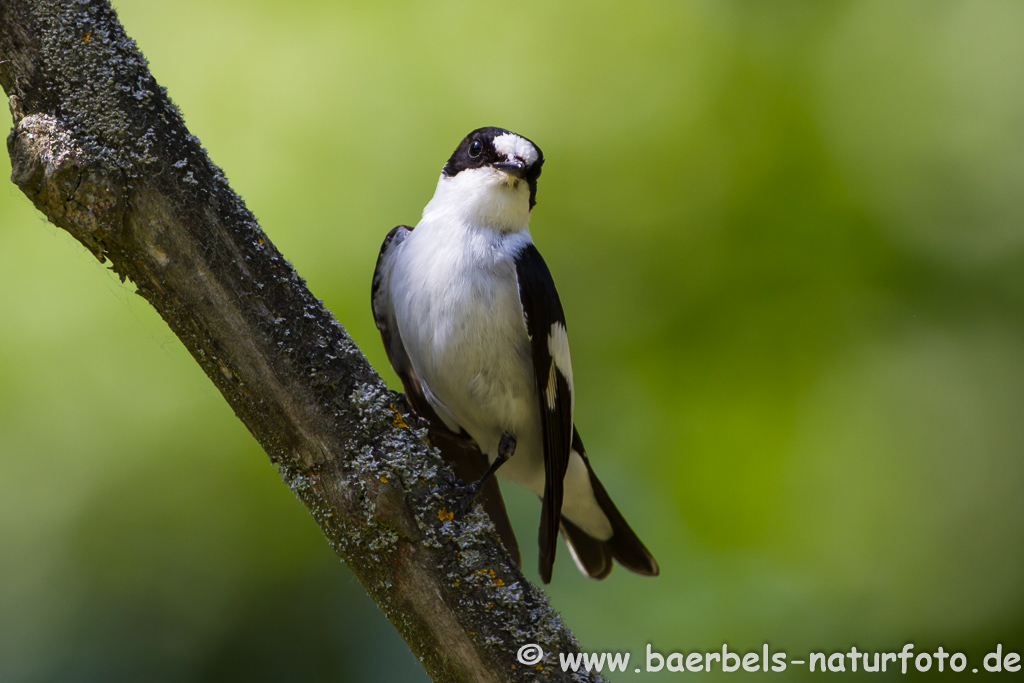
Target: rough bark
[[101, 150]]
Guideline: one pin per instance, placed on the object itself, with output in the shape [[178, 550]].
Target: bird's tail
[[594, 557]]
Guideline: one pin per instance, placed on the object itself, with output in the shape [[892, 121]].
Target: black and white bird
[[473, 326]]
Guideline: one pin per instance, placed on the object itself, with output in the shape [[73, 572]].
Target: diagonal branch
[[102, 151]]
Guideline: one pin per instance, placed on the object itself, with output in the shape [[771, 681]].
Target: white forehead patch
[[511, 145]]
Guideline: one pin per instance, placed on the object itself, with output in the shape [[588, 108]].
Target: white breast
[[456, 301]]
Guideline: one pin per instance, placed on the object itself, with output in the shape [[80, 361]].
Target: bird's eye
[[475, 149]]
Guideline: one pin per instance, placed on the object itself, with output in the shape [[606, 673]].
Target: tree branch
[[102, 151]]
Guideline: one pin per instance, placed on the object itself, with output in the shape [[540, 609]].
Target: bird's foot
[[506, 449], [466, 494]]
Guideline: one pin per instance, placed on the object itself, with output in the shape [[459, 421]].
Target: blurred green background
[[789, 238]]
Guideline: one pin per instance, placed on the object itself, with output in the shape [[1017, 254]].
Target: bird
[[473, 326]]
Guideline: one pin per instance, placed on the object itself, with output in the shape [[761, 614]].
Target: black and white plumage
[[473, 325]]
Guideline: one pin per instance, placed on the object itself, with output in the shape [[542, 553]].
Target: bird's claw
[[467, 494], [506, 447]]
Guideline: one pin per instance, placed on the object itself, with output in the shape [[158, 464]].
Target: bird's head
[[491, 179]]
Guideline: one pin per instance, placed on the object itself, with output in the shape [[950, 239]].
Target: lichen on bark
[[101, 150]]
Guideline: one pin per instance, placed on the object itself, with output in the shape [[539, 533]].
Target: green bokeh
[[789, 239]]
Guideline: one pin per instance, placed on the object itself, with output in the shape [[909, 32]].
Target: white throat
[[481, 198]]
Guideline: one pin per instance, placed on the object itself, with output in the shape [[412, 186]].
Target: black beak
[[515, 168]]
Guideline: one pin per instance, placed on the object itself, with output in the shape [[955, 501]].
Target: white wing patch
[[551, 391], [558, 347], [511, 145]]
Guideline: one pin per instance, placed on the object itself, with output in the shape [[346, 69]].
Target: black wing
[[384, 316], [545, 323], [458, 449]]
